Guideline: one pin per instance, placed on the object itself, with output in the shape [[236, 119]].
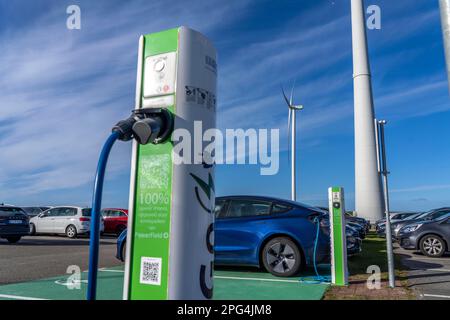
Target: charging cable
[[152, 125], [317, 278]]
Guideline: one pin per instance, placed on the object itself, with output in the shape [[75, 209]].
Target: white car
[[67, 220]]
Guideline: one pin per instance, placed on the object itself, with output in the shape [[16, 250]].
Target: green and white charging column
[[339, 270], [169, 250]]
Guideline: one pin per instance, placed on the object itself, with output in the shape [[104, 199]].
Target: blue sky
[[62, 90]]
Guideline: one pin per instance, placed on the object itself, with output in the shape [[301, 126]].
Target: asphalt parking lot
[[36, 269], [430, 277], [40, 257]]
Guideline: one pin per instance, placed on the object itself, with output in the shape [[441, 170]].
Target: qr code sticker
[[151, 271]]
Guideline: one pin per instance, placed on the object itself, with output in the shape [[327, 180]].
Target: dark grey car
[[429, 215], [431, 237], [14, 223]]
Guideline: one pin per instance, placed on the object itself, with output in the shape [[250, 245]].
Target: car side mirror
[[42, 215]]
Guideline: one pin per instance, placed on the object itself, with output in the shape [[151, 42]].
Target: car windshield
[[432, 214], [32, 210], [416, 216], [86, 212], [9, 210], [444, 216], [438, 215]]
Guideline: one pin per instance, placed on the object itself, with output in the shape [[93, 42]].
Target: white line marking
[[414, 258], [110, 270], [438, 269], [256, 279], [19, 297], [435, 296]]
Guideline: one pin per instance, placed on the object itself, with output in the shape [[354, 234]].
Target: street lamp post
[[384, 172]]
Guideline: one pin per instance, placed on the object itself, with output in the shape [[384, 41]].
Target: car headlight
[[350, 233], [351, 242], [410, 228]]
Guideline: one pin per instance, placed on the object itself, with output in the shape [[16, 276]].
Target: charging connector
[[148, 125], [154, 125]]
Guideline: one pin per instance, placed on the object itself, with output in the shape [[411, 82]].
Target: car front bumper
[[354, 246], [408, 241]]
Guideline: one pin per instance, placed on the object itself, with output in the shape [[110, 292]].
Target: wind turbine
[[292, 135]]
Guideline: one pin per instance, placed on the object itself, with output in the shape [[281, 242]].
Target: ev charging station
[[170, 246], [339, 269], [170, 235], [169, 249]]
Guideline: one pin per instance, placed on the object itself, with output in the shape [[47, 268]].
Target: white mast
[[445, 17], [293, 135], [293, 152], [368, 196]]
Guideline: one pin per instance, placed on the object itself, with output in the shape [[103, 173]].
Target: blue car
[[273, 233]]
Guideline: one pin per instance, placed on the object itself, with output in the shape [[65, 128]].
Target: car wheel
[[32, 229], [432, 246], [71, 231], [124, 250], [13, 239], [120, 229], [282, 257]]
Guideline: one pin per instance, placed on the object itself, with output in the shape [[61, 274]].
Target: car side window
[[219, 208], [248, 208], [280, 208], [59, 212], [114, 213], [51, 212], [67, 212]]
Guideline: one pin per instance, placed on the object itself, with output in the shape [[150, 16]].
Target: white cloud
[[62, 90], [422, 188]]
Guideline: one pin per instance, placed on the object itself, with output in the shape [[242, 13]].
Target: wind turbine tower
[[445, 17], [292, 132], [368, 195]]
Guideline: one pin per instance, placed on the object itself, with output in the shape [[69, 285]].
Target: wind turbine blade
[[289, 134], [285, 97], [292, 92]]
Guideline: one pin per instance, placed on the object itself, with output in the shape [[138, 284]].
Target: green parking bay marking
[[109, 284], [228, 285]]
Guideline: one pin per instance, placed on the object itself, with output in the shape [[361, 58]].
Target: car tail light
[[83, 219]]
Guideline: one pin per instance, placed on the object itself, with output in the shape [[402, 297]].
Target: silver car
[[67, 220]]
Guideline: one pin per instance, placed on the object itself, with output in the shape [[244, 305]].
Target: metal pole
[[368, 195], [445, 18], [293, 151], [385, 172]]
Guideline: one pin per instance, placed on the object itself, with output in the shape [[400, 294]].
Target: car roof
[[118, 209], [269, 198], [9, 206], [76, 207], [443, 208]]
